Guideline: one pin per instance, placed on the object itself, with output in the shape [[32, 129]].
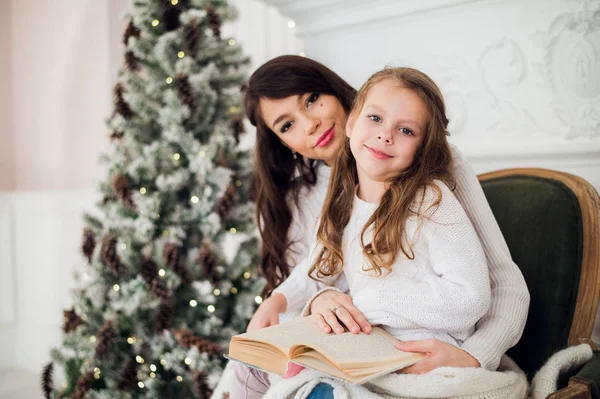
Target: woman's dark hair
[[277, 173]]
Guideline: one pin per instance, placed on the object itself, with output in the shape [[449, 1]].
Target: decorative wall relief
[[571, 66]]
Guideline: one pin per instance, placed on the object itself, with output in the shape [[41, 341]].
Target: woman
[[299, 108]]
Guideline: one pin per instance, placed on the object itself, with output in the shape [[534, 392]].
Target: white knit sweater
[[501, 327], [441, 293]]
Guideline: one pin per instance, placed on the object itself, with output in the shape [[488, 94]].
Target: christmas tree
[[163, 286]]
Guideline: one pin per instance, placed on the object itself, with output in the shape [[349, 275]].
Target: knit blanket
[[445, 382], [509, 381]]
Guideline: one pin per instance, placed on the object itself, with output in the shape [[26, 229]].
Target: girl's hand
[[267, 313], [332, 307], [439, 354]]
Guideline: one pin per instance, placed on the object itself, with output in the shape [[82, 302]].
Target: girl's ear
[[350, 123]]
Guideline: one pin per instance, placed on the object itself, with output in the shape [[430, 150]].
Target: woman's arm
[[501, 327]]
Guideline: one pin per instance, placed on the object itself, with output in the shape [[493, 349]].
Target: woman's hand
[[438, 354], [332, 307], [267, 313]]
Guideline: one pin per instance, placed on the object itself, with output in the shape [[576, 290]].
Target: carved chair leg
[[577, 389]]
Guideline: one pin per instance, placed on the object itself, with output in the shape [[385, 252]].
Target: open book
[[356, 358]]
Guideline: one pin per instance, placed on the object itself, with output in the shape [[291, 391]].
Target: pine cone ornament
[[170, 15], [121, 187], [48, 380], [121, 105], [214, 21], [226, 202], [188, 340], [191, 37], [83, 384], [201, 386], [109, 256], [71, 320], [131, 62], [116, 136], [149, 271], [106, 340], [185, 92], [172, 255], [159, 289], [164, 317], [207, 260], [89, 243], [237, 126], [130, 31], [128, 377]]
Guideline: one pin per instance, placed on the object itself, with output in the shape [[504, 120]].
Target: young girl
[[392, 234], [391, 226]]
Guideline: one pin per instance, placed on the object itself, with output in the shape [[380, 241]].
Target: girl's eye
[[311, 99], [286, 126], [406, 131], [375, 118]]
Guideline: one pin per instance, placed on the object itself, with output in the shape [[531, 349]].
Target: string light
[[169, 80], [176, 156], [139, 359], [155, 23], [217, 292], [161, 272], [131, 340], [97, 373], [181, 54], [84, 317], [202, 153], [193, 303], [179, 378], [152, 367], [143, 190], [211, 308], [231, 42], [92, 338], [291, 24], [123, 246], [234, 290], [163, 362], [116, 287], [258, 299], [188, 361], [165, 233], [140, 384], [233, 230], [174, 2], [238, 183], [247, 275], [152, 375], [194, 199]]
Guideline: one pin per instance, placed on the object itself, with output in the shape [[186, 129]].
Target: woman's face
[[310, 124]]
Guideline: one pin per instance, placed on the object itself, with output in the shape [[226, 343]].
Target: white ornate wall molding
[[571, 66], [318, 16]]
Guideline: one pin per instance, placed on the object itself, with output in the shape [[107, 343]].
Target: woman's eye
[[286, 126], [406, 131], [311, 99], [375, 118]]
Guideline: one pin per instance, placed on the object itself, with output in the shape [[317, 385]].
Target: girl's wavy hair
[[278, 176], [432, 160]]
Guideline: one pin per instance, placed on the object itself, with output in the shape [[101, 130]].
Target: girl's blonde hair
[[432, 160]]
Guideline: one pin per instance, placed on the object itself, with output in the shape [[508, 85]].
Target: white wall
[[58, 66], [521, 77]]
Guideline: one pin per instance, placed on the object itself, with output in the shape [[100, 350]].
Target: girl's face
[[388, 130], [310, 124]]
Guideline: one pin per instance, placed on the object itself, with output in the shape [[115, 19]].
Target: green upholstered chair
[[550, 221]]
